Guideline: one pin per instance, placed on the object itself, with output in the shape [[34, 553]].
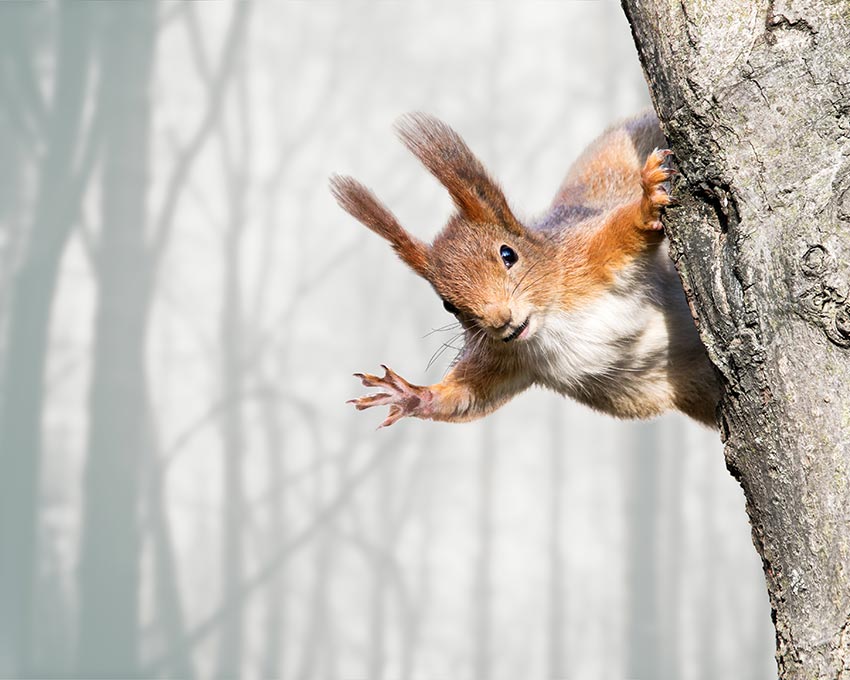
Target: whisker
[[522, 278], [473, 343], [534, 281], [448, 327], [478, 336], [438, 353], [475, 338]]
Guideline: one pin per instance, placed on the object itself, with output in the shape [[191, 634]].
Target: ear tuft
[[364, 206], [443, 151]]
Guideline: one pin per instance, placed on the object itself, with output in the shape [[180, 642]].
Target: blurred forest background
[[183, 492]]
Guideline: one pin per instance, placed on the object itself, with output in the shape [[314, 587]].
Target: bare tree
[[170, 609], [708, 598], [236, 162], [118, 435], [754, 99], [673, 482], [556, 628], [24, 42], [379, 600], [60, 187], [643, 648], [127, 258], [275, 620], [255, 582], [482, 590]]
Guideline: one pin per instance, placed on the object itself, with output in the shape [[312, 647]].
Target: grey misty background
[[183, 492]]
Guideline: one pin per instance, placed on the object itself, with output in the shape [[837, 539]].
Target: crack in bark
[[841, 648], [775, 22], [719, 196]]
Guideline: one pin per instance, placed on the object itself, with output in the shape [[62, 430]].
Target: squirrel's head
[[490, 270]]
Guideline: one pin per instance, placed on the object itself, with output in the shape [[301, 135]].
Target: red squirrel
[[583, 300]]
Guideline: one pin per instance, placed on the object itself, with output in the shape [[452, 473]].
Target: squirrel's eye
[[449, 307], [508, 255]]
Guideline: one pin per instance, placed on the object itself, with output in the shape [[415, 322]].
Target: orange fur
[[362, 204], [446, 155], [603, 229], [632, 228]]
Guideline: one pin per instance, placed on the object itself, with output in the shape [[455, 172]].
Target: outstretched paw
[[403, 398], [653, 180]]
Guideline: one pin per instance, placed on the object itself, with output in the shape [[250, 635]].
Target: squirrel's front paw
[[653, 178], [403, 398]]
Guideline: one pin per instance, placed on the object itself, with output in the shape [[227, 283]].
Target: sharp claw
[[395, 414], [393, 379], [402, 397], [656, 191], [372, 381], [372, 400], [388, 374]]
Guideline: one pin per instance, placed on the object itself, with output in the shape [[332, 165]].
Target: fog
[[183, 490]]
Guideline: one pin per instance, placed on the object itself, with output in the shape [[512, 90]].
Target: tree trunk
[[556, 654], [482, 590], [118, 430], [643, 648], [234, 437], [708, 647], [28, 327], [380, 576], [170, 614], [275, 615], [755, 101]]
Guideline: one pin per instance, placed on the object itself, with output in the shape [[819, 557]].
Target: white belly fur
[[613, 352]]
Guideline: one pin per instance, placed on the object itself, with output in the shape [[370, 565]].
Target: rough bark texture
[[754, 97]]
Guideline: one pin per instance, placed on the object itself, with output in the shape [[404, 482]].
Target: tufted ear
[[362, 204], [443, 151]]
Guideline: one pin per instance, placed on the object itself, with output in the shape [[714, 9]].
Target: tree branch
[[187, 157], [268, 570]]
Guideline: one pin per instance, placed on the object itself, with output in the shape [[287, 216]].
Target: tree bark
[[755, 100]]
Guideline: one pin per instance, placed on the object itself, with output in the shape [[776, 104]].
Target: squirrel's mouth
[[517, 331]]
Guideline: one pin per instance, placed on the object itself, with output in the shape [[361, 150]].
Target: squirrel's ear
[[476, 194], [362, 204]]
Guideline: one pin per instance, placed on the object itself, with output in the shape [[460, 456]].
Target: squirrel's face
[[490, 271], [491, 279]]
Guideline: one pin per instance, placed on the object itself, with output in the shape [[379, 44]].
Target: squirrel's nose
[[498, 316]]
